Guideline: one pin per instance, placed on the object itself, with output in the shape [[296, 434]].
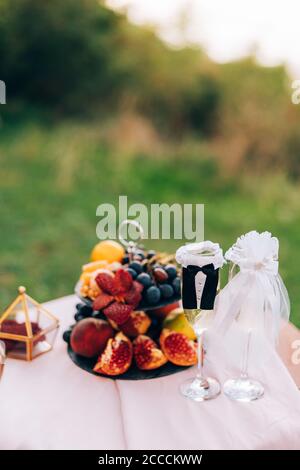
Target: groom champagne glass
[[200, 274]]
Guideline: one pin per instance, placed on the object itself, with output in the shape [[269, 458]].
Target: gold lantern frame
[[29, 339]]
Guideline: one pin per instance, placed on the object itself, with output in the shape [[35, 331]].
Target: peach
[[89, 337]]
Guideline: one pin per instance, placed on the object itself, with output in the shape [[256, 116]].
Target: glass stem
[[200, 355], [244, 371]]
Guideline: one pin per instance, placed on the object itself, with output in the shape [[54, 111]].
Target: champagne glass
[[200, 388], [200, 277], [2, 357], [243, 388]]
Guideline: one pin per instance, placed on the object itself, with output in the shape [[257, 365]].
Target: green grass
[[54, 176]]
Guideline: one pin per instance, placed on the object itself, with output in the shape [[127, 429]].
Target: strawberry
[[102, 301], [117, 312], [107, 283], [123, 281], [133, 297], [138, 286]]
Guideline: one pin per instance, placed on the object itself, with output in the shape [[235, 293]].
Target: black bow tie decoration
[[207, 287]]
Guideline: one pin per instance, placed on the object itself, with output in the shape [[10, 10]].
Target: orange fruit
[[108, 250]]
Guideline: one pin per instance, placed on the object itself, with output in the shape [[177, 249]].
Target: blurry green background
[[97, 107]]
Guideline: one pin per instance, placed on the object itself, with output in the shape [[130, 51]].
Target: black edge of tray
[[133, 372]]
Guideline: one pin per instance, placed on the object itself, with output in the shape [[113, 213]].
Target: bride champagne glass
[[243, 388], [255, 300], [200, 274]]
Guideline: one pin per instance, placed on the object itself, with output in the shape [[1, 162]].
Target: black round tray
[[133, 372], [141, 306]]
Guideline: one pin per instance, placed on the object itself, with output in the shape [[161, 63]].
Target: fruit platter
[[129, 324], [155, 276]]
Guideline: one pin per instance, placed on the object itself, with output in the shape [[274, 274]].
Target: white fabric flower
[[255, 251], [200, 254]]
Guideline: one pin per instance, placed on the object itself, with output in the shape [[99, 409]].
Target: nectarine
[[89, 337]]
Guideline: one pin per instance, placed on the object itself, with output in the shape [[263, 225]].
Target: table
[[52, 404]]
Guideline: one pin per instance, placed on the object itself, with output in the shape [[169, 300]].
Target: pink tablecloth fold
[[52, 404], [156, 416]]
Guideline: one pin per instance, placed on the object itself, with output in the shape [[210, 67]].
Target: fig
[[117, 356], [147, 355], [179, 349], [89, 337], [137, 324]]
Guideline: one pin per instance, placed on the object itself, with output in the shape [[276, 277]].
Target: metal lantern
[[27, 328]]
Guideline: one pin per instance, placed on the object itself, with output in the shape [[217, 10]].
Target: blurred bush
[[78, 58], [60, 54], [256, 118]]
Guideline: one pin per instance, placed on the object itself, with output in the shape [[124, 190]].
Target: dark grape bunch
[[160, 279], [83, 311]]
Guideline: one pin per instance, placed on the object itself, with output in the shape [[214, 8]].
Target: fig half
[[117, 356], [147, 355], [178, 348]]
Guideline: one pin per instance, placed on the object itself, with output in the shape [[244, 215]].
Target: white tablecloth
[[52, 404]]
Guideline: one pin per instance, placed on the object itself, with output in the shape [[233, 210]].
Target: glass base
[[200, 389], [243, 389]]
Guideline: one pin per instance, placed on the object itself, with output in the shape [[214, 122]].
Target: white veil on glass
[[256, 296]]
